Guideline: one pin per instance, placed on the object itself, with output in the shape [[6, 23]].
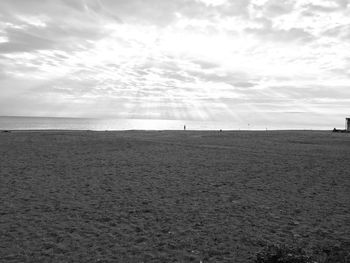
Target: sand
[[170, 196]]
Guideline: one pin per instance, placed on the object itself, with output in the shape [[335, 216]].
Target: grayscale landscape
[[155, 131]]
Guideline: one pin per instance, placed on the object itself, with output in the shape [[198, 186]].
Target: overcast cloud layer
[[265, 61]]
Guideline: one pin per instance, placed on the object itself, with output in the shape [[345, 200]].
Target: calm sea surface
[[43, 123]]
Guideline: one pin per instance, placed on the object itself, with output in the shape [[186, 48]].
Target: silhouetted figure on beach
[[184, 127]]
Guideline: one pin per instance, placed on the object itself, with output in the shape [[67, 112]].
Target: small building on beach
[[347, 126]]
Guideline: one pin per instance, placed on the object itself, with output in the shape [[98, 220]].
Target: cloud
[[202, 59], [342, 32], [206, 64], [272, 8], [293, 34], [24, 40], [327, 6], [156, 12], [234, 8], [267, 31], [44, 25]]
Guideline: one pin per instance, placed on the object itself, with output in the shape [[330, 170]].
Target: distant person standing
[[184, 127]]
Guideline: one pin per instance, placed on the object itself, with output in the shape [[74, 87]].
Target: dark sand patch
[[159, 196]]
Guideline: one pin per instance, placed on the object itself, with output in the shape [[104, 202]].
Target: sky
[[273, 63]]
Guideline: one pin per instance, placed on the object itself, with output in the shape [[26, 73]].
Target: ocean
[[49, 123], [57, 123]]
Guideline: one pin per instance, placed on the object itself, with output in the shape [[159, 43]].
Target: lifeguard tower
[[347, 126]]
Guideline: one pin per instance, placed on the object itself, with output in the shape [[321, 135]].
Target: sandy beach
[[170, 196]]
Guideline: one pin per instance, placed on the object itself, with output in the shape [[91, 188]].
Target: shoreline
[[165, 130]]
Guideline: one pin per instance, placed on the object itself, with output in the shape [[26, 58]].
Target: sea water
[[49, 123], [55, 123]]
